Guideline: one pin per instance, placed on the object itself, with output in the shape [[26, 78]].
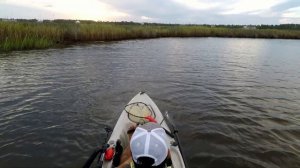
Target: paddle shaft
[[91, 159], [99, 151]]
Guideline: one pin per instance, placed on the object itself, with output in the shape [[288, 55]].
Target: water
[[236, 102]]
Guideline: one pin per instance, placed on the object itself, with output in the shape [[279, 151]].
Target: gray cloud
[[162, 11], [287, 5], [14, 11], [165, 11], [168, 11]]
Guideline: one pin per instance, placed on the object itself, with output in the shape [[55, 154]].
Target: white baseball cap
[[149, 140]]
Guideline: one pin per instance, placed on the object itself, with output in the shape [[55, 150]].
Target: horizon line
[[39, 20]]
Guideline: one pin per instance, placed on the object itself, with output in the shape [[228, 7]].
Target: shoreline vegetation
[[33, 34]]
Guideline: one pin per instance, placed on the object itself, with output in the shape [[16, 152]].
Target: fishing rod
[[99, 150], [174, 132]]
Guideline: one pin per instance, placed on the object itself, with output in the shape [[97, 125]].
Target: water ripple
[[236, 101]]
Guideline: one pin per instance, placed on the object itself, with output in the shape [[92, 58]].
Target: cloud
[[197, 4], [158, 9], [72, 9], [48, 6], [13, 11], [201, 11], [253, 6], [146, 18], [291, 15], [289, 21], [163, 11], [286, 5]]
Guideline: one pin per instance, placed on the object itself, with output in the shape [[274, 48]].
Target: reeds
[[34, 35], [20, 36]]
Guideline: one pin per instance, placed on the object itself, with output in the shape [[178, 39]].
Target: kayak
[[142, 104]]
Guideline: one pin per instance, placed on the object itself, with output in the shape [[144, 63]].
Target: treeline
[[24, 34], [281, 26], [261, 26]]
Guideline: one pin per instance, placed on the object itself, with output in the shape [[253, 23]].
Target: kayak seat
[[118, 153]]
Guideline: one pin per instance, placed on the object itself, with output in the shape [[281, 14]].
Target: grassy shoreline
[[35, 35]]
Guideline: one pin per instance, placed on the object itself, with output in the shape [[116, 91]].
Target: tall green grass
[[21, 36], [33, 35]]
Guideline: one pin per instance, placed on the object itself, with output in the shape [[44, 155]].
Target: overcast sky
[[162, 11]]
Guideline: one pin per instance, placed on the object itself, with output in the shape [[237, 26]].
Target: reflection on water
[[235, 101]]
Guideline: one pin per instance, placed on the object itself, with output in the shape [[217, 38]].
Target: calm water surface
[[236, 102]]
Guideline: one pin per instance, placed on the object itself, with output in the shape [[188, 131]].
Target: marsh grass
[[33, 35], [21, 36]]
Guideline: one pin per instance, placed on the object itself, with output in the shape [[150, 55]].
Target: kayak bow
[[149, 112]]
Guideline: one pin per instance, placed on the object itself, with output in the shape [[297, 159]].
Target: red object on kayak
[[151, 119], [109, 153]]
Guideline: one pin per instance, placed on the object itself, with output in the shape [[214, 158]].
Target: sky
[[159, 11]]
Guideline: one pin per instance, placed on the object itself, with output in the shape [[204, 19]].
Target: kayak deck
[[123, 124]]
